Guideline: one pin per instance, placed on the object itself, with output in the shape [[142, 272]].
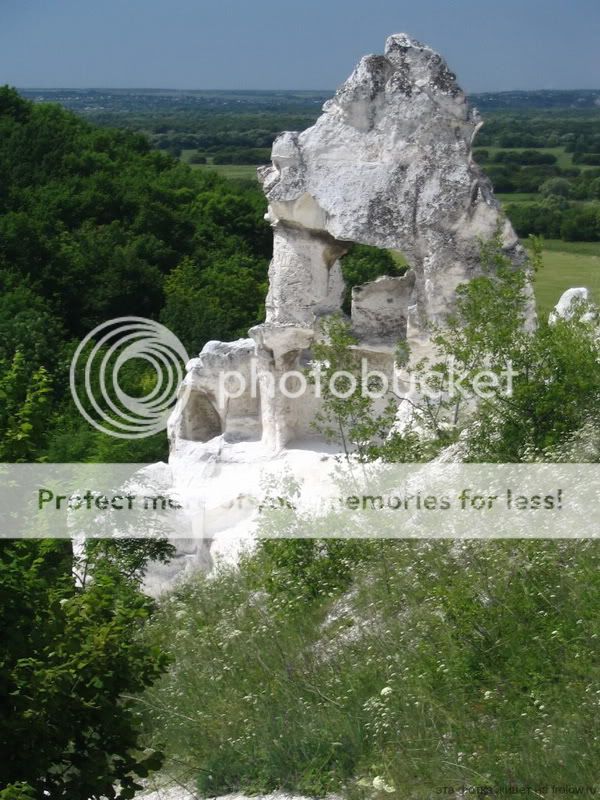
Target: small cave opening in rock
[[200, 420], [364, 263]]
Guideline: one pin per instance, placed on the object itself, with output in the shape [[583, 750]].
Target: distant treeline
[[521, 146], [89, 101], [523, 100], [576, 131]]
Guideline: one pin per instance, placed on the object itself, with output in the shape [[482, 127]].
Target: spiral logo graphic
[[103, 354]]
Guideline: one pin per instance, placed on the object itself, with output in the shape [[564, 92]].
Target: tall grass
[[432, 664]]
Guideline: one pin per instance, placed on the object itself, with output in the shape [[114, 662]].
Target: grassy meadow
[[567, 264], [234, 171], [415, 666]]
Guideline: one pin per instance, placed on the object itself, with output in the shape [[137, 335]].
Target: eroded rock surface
[[388, 164]]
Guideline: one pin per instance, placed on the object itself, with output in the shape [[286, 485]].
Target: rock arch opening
[[378, 289]]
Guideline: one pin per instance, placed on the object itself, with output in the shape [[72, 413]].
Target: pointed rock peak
[[420, 64], [402, 40]]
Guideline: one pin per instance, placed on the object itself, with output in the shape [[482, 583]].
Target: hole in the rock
[[363, 263], [200, 420]]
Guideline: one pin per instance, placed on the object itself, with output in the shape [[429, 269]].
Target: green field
[[581, 248], [247, 171], [564, 160], [235, 171], [517, 197], [567, 264]]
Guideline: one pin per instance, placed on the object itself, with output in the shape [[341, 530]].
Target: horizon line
[[255, 90]]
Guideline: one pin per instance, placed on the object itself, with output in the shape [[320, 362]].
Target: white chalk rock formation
[[387, 164], [177, 792]]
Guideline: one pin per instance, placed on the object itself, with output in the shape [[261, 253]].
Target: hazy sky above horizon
[[300, 44]]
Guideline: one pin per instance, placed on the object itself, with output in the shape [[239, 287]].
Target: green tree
[[581, 224], [27, 323], [559, 187], [70, 658], [24, 405], [93, 222], [219, 300], [349, 415], [556, 367]]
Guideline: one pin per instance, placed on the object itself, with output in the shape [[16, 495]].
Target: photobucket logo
[[97, 368], [451, 383]]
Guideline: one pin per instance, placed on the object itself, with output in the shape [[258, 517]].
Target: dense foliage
[[71, 657], [528, 138], [94, 224]]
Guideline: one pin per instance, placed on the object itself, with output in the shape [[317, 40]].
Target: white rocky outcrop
[[574, 302], [387, 164]]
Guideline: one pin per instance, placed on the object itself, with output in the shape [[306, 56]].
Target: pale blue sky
[[303, 44]]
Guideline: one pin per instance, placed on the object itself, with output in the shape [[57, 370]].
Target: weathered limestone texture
[[387, 164]]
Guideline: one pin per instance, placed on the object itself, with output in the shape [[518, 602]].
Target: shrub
[[539, 219], [581, 224], [556, 187], [587, 158], [71, 656], [524, 157]]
